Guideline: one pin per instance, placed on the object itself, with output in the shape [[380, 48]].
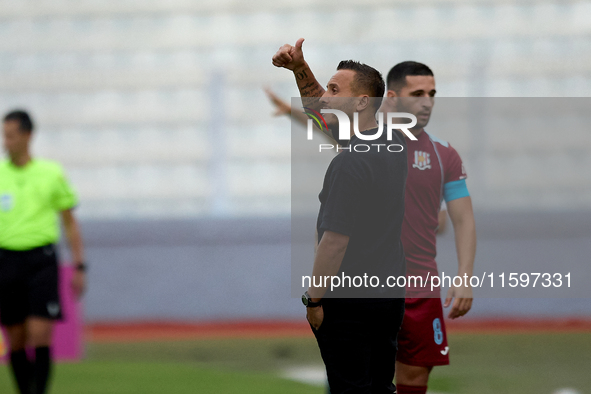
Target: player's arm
[[442, 220], [74, 237], [282, 107], [327, 262], [462, 219], [292, 58]]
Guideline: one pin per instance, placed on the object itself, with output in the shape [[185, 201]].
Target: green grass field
[[519, 363]]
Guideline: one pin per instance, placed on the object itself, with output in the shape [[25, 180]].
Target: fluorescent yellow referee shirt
[[30, 199]]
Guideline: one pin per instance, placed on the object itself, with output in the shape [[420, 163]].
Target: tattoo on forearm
[[310, 101], [301, 75], [307, 86], [311, 90]]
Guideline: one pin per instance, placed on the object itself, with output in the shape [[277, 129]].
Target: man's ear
[[363, 103], [391, 100]]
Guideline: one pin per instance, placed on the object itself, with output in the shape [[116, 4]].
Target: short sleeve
[[455, 177], [454, 168], [64, 196], [341, 202]]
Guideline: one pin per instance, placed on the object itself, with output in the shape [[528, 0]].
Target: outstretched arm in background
[[284, 108]]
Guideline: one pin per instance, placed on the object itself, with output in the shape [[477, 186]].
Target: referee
[[32, 194]]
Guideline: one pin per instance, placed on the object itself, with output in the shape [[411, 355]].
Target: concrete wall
[[235, 269]]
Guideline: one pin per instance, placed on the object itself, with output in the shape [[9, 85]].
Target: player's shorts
[[29, 285], [422, 340]]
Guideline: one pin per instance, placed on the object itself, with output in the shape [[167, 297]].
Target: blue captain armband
[[454, 190]]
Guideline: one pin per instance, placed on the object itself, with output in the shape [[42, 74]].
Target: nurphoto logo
[[344, 134]]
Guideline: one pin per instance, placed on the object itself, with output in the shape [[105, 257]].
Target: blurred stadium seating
[[156, 108]]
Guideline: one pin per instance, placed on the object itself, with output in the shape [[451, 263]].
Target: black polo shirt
[[363, 197]]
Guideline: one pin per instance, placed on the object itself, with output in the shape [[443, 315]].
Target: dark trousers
[[357, 341]]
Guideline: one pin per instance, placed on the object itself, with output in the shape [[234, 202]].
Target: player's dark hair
[[397, 76], [25, 122], [367, 80]]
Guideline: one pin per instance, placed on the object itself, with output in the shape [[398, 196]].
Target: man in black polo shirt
[[359, 225]]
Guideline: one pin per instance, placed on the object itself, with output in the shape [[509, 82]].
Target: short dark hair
[[397, 76], [25, 122], [367, 80]]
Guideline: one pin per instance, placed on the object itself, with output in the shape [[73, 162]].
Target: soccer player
[[359, 224], [435, 173], [33, 193]]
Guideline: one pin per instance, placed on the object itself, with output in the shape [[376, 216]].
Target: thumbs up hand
[[289, 56]]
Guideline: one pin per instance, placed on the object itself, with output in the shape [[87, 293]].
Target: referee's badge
[[6, 202], [422, 160]]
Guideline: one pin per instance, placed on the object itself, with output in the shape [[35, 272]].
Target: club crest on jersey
[[422, 160], [6, 202]]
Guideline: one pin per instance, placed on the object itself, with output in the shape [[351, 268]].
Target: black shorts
[[29, 285]]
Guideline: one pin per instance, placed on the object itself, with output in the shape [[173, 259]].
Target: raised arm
[[292, 58]]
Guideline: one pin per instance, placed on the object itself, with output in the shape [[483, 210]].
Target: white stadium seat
[[151, 105]]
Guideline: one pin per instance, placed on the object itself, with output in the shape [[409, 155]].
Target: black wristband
[[82, 267], [307, 300]]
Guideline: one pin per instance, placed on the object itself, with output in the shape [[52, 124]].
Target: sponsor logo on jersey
[[445, 351], [463, 176], [422, 160], [6, 202]]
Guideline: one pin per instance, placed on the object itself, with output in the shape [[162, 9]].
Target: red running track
[[157, 331]]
